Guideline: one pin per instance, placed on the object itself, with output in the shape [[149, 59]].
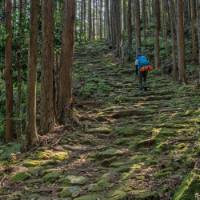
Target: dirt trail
[[131, 144]]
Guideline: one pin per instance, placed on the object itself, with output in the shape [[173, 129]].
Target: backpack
[[143, 61]]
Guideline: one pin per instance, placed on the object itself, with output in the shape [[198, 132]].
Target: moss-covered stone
[[37, 163], [101, 185], [73, 191], [189, 188], [76, 180], [33, 163], [147, 195], [54, 155], [89, 197], [110, 152], [117, 195], [126, 131], [163, 173], [21, 176], [103, 130], [51, 177]]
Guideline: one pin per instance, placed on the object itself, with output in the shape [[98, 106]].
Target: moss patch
[[189, 188], [21, 176], [89, 197], [54, 155], [52, 176], [73, 191]]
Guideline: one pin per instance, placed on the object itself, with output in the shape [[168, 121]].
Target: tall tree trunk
[[8, 72], [19, 70], [137, 25], [174, 39], [130, 30], [144, 15], [84, 19], [125, 15], [194, 30], [47, 106], [116, 25], [100, 19], [66, 62], [181, 42], [32, 136], [157, 33], [89, 19], [198, 25], [107, 21], [81, 20]]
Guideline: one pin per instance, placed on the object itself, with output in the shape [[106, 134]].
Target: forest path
[[132, 144]]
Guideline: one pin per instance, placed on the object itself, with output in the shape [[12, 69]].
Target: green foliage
[[7, 151]]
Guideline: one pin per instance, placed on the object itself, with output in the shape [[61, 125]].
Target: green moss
[[103, 184], [93, 196], [189, 188], [76, 180], [162, 174], [117, 195], [70, 192], [32, 163], [37, 163], [51, 177], [147, 195], [8, 150], [54, 155], [110, 152], [126, 131], [21, 176]]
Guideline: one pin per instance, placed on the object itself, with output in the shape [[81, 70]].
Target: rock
[[106, 162], [51, 177], [147, 143], [190, 187], [76, 180], [21, 176], [117, 195], [101, 185], [110, 152], [126, 131], [89, 197], [54, 155], [147, 196], [37, 163], [33, 163], [73, 191], [15, 196], [103, 130]]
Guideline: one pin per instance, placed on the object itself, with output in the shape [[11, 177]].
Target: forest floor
[[130, 144]]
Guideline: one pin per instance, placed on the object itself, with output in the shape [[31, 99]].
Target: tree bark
[[157, 33], [65, 99], [194, 30], [31, 132], [8, 73], [174, 38], [198, 25], [137, 25], [181, 42], [47, 118], [130, 30], [89, 19]]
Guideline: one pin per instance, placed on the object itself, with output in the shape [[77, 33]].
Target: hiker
[[142, 66]]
